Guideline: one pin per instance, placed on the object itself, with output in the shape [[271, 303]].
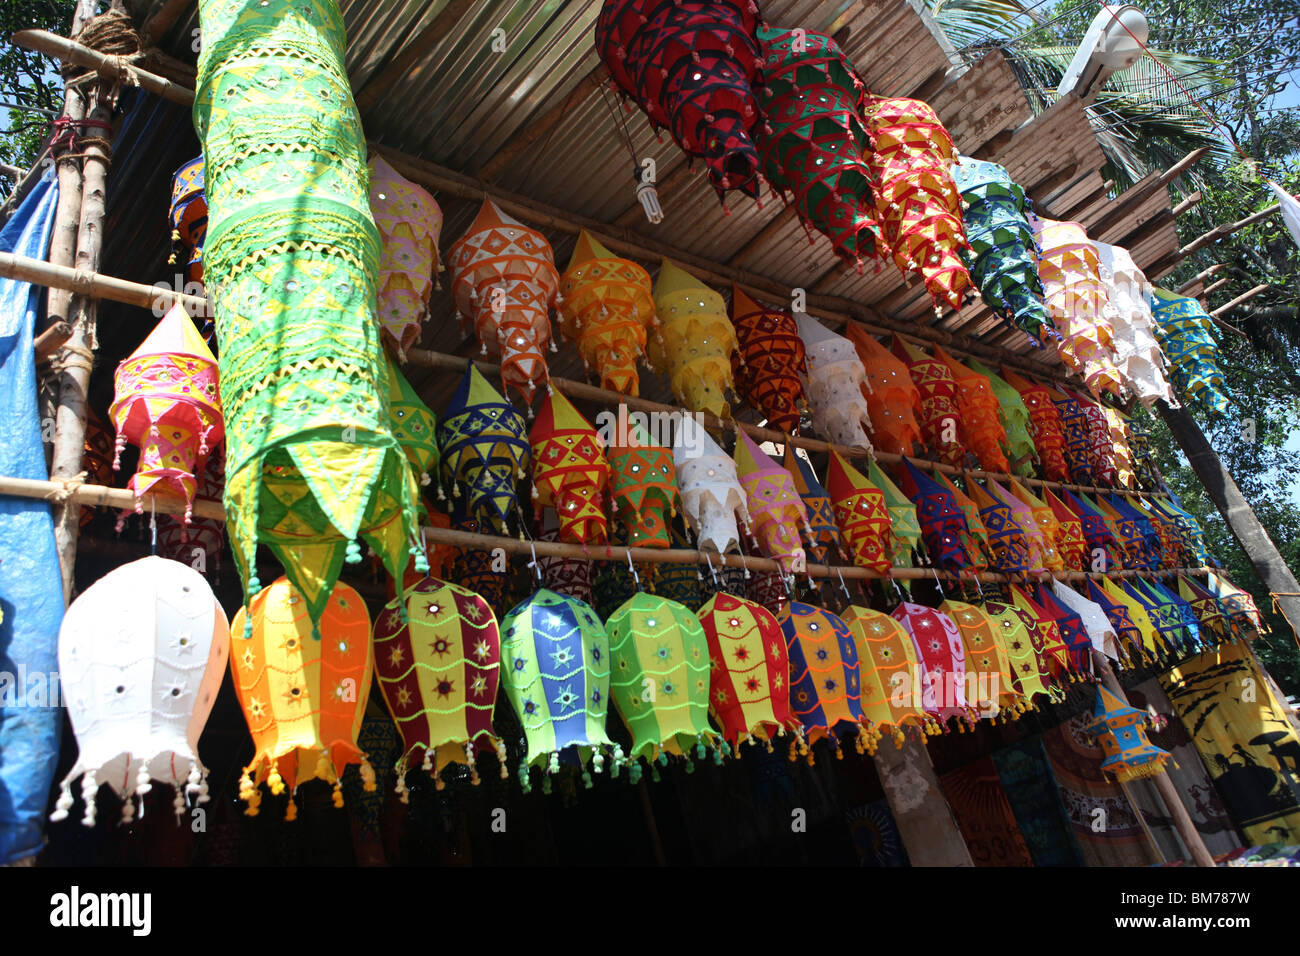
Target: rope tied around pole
[[70, 357], [67, 488]]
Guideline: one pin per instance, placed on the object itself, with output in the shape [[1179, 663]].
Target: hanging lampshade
[[1144, 462], [484, 451], [410, 223], [438, 660], [1009, 549], [712, 496], [691, 65], [1054, 650], [836, 384], [916, 199], [1015, 420], [1045, 425], [1241, 607], [1168, 544], [940, 418], [890, 673], [775, 508], [1185, 333], [1021, 640], [943, 526], [569, 470], [904, 526], [303, 689], [941, 661], [861, 514], [567, 576], [1100, 538], [749, 690], [1095, 622], [1121, 731], [556, 657], [1047, 525], [891, 394], [659, 680], [1041, 551], [813, 143], [1210, 612], [825, 691], [1074, 431], [141, 655], [414, 424], [643, 485], [825, 543], [1102, 453], [1172, 634], [768, 366], [606, 309], [1137, 533], [1121, 451], [1003, 254], [1193, 536], [1070, 541], [1133, 328], [975, 537], [994, 681], [189, 218], [97, 458], [982, 430], [291, 260], [165, 401], [1134, 625], [504, 282], [694, 341]]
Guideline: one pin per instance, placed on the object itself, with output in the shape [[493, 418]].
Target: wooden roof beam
[[162, 21], [1201, 276], [1126, 200]]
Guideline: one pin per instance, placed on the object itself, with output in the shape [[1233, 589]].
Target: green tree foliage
[[29, 82]]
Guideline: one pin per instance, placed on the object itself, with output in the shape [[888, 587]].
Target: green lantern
[[415, 425]]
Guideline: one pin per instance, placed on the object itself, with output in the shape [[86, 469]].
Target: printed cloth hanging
[[916, 199], [1121, 731], [643, 486], [994, 682], [1095, 621], [1074, 430], [484, 446], [904, 526], [1045, 425], [1185, 333], [504, 282], [812, 142], [1070, 542], [694, 341], [1022, 641], [775, 508], [189, 218], [556, 657], [1137, 350], [712, 496], [606, 308], [892, 396], [1045, 522], [824, 542], [1015, 420], [835, 383], [691, 66], [1101, 451], [861, 514], [1076, 299], [1003, 253], [303, 683], [142, 652], [943, 525], [769, 364], [940, 418], [941, 659], [888, 663], [414, 424], [749, 690], [1008, 546], [569, 470], [292, 258], [982, 430], [438, 660], [410, 222], [1122, 455], [975, 537], [659, 680], [825, 689], [165, 400]]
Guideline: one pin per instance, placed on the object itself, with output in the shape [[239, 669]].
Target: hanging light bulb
[[648, 196]]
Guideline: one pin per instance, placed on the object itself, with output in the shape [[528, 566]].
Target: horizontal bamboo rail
[[114, 69]]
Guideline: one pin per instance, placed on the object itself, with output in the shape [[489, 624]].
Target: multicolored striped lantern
[[1121, 732], [189, 218], [410, 223], [694, 342], [1020, 638], [1008, 546], [769, 364], [993, 683], [825, 691], [825, 542], [569, 470]]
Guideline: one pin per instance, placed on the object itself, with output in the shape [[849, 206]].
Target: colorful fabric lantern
[[975, 538], [1015, 420], [904, 526], [769, 365], [567, 576], [916, 199], [659, 679], [1128, 639], [1041, 550], [690, 65], [291, 259], [1121, 731], [415, 426], [484, 446], [988, 668], [749, 691], [813, 142], [694, 341], [1047, 525], [1003, 253], [1045, 425], [606, 308], [199, 543], [1095, 622], [1189, 529], [1054, 640], [940, 418], [1209, 610], [303, 683], [825, 691], [1185, 333], [142, 652], [556, 657], [775, 508], [1101, 451], [1076, 300], [569, 470], [835, 383], [166, 402], [504, 283], [1150, 648], [643, 485], [1176, 627], [1105, 550], [943, 526], [410, 223], [1166, 533], [1133, 327], [1121, 450], [891, 394], [888, 664], [982, 430], [438, 660], [825, 542], [712, 495], [1074, 429], [1070, 542], [861, 514], [942, 659], [1239, 604], [1023, 643], [189, 218], [1008, 546], [1137, 533]]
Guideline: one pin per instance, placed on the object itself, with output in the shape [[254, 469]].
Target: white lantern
[[1137, 350], [834, 384], [712, 496], [142, 653]]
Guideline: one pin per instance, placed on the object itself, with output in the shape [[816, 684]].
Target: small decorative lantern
[[1185, 330], [694, 341], [189, 218], [771, 359], [410, 222], [569, 470], [775, 508], [982, 430], [1045, 425], [1121, 731], [940, 418], [825, 542], [1133, 327], [943, 526], [861, 514], [1015, 421], [643, 484], [712, 495], [825, 691], [836, 385], [415, 426], [888, 663], [942, 660], [904, 526], [891, 394]]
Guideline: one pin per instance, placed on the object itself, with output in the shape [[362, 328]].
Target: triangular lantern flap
[[673, 279], [558, 414], [750, 459], [588, 247], [175, 334]]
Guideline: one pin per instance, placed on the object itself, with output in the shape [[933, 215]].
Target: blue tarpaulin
[[31, 589]]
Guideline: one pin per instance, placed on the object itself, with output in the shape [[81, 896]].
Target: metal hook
[[632, 567], [712, 573], [537, 570], [843, 587]]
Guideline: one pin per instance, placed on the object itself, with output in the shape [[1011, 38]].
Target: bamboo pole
[[1239, 300], [112, 69], [1201, 276], [97, 285], [1141, 191]]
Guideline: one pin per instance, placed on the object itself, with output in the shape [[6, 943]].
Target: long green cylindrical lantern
[[291, 265]]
